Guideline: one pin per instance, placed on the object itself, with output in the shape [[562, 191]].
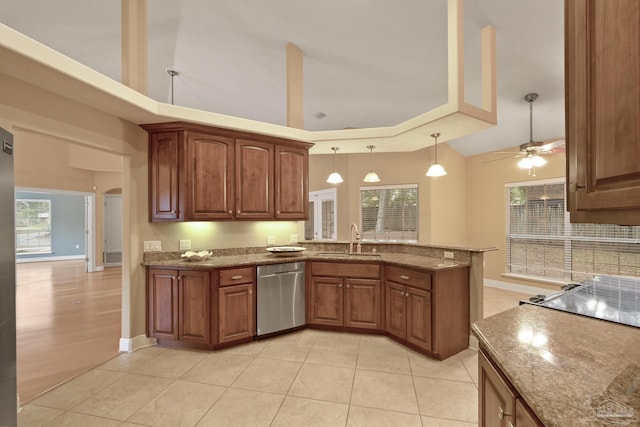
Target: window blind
[[541, 242], [389, 213]]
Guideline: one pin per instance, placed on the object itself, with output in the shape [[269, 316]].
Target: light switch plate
[[185, 244], [271, 240], [448, 255], [293, 238], [152, 245]]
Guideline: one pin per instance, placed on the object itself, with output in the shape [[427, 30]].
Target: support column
[[134, 44], [295, 88]]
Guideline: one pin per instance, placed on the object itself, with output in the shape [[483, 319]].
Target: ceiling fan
[[532, 151]]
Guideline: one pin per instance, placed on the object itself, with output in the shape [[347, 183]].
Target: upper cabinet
[[201, 173], [602, 101]]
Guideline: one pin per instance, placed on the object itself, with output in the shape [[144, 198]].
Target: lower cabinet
[[345, 295], [236, 305], [408, 314], [499, 403], [179, 305]]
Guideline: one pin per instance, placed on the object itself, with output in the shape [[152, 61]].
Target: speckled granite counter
[[402, 259], [567, 367]]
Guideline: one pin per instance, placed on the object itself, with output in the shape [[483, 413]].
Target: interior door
[[112, 230]]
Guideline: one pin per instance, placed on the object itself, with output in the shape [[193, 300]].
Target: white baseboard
[[517, 288], [473, 342], [99, 268], [127, 345], [49, 258]]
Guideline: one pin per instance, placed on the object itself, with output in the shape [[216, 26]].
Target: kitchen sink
[[346, 255]]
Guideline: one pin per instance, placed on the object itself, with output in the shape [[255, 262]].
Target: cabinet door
[[236, 312], [210, 186], [165, 177], [419, 317], [362, 303], [497, 401], [195, 306], [162, 307], [254, 179], [603, 110], [291, 183], [524, 416], [396, 309], [326, 301]]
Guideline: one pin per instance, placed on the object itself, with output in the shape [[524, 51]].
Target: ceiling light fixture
[[532, 160], [335, 177], [371, 176], [172, 73], [436, 168]]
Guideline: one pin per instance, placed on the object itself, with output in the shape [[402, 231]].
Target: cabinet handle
[[236, 277], [403, 277], [406, 294], [347, 285], [230, 212], [573, 187], [278, 212], [340, 285], [250, 291], [401, 294], [502, 414], [179, 277]]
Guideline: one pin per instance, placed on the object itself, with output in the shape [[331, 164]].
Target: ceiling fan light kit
[[335, 177], [436, 168], [371, 176]]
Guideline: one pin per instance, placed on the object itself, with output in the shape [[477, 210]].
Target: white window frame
[[34, 252], [390, 187], [317, 197]]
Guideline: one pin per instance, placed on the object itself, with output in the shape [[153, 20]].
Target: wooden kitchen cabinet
[[236, 305], [179, 305], [345, 294], [602, 83], [499, 402], [200, 173], [428, 311]]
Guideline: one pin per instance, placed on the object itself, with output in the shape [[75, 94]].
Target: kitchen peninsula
[[439, 296]]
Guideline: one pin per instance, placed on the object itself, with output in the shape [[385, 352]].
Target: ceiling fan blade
[[552, 144], [500, 158]]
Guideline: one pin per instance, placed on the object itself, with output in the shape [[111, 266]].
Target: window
[[542, 243], [33, 226], [389, 213], [322, 223]]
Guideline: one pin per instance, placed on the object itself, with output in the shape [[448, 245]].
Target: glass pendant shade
[[538, 161], [335, 177], [371, 176], [525, 163], [436, 168]]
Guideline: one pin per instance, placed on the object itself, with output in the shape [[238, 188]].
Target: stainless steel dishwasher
[[280, 296]]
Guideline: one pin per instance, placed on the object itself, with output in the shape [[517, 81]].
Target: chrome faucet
[[354, 231]]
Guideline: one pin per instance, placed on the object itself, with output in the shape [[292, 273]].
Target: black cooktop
[[612, 298]]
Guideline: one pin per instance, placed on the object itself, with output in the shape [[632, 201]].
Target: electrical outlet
[[448, 255], [293, 238], [152, 245], [271, 240], [185, 244]]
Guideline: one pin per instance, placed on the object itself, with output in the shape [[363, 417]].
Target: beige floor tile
[[79, 389], [283, 350], [340, 339], [123, 398], [296, 412], [251, 349], [218, 368], [469, 358], [395, 362], [448, 369], [71, 419], [34, 415], [380, 345], [369, 417], [384, 390], [192, 399], [304, 337], [325, 354], [453, 400], [171, 364], [270, 375], [127, 362], [323, 382], [441, 422], [243, 408]]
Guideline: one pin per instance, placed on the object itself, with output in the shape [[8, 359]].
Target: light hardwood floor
[[68, 322]]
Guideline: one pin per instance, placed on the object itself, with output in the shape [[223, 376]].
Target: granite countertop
[[570, 369], [401, 259]]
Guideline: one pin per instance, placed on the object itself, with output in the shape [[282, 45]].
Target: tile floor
[[306, 378]]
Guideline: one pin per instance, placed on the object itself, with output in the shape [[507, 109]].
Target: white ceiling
[[367, 63]]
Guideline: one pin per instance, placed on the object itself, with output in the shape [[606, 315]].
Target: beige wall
[[441, 201], [486, 214]]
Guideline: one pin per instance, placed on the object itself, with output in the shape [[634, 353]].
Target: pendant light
[[436, 168], [335, 177], [371, 176]]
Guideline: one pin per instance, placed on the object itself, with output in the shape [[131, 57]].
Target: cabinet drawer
[[334, 269], [236, 276], [417, 279]]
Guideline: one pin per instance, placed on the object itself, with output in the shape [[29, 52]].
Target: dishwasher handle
[[282, 273]]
